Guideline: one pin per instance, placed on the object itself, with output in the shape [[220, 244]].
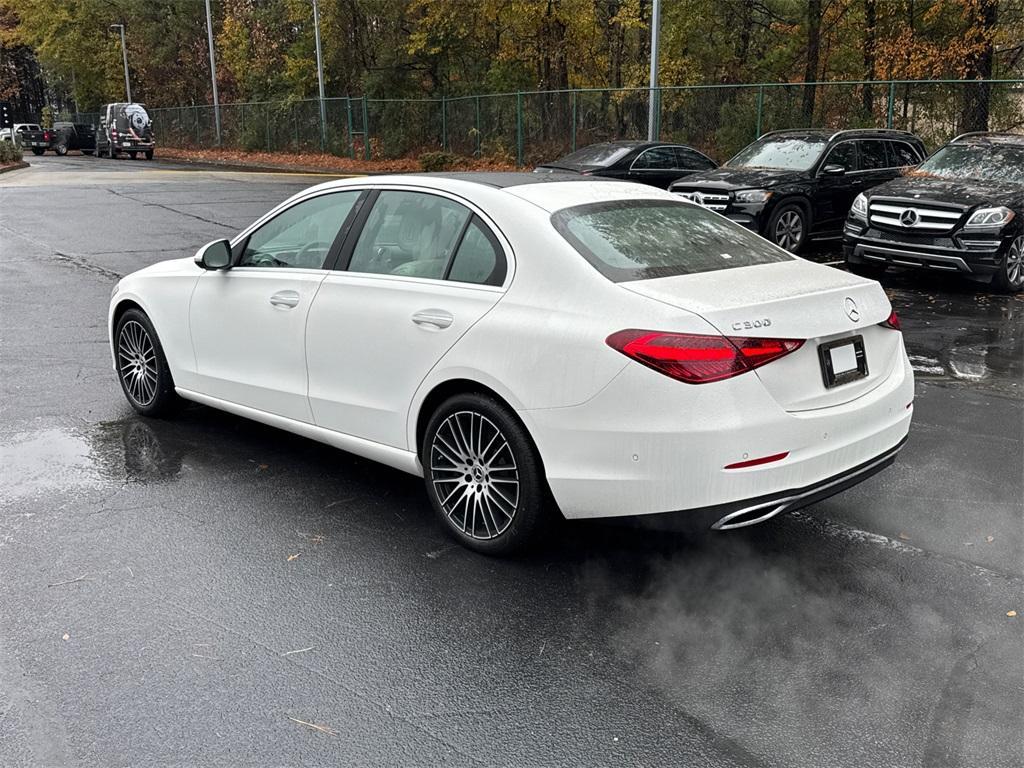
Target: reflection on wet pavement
[[960, 332], [103, 455]]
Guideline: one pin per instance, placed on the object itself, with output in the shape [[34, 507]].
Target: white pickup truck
[[17, 129]]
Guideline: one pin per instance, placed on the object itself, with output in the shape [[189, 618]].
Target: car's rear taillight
[[698, 358], [892, 321]]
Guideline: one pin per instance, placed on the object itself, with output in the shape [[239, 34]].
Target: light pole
[[213, 70], [319, 77], [652, 101], [124, 57]]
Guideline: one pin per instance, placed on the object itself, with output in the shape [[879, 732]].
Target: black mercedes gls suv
[[798, 185], [961, 210]]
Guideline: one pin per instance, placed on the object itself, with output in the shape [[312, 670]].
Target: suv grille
[[929, 218], [715, 201]]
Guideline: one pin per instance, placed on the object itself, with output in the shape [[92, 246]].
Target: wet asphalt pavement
[[211, 591]]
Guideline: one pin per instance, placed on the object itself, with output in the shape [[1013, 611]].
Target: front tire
[[483, 475], [787, 227], [142, 367], [149, 154], [1010, 277]]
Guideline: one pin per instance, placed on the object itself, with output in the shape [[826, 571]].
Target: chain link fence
[[529, 127]]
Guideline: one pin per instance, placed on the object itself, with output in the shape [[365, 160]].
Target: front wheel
[[483, 475], [787, 227], [1010, 277], [141, 366], [149, 154]]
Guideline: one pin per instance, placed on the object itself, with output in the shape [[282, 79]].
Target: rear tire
[[483, 475], [142, 367], [149, 154], [61, 149], [36, 151], [788, 226], [132, 155], [1010, 277]]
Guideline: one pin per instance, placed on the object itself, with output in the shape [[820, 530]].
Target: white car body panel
[[348, 366]]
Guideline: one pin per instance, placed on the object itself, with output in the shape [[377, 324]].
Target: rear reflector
[[755, 462], [697, 358], [892, 321]]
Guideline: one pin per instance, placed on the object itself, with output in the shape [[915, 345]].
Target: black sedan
[[648, 162]]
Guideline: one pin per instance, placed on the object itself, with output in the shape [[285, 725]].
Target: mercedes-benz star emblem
[[851, 309], [909, 217]]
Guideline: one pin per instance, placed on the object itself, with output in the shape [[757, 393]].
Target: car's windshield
[[985, 162], [644, 239], [789, 153], [595, 154]]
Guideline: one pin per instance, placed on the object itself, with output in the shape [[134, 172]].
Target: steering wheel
[[306, 249]]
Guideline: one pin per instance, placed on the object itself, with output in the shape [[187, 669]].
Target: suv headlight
[[990, 217], [752, 195], [860, 206]]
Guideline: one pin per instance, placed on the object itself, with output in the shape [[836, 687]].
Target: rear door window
[[690, 159], [657, 159], [479, 258], [645, 239], [872, 155], [903, 154]]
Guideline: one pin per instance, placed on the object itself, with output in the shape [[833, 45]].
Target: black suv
[[961, 210], [798, 185]]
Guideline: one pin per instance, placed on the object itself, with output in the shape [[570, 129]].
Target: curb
[[255, 167], [15, 167]]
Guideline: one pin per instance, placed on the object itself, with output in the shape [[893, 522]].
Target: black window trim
[[366, 205], [239, 245]]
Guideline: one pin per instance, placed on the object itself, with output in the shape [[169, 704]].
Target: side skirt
[[406, 461]]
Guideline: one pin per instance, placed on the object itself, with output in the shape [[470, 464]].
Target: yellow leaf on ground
[[1011, 614], [292, 557]]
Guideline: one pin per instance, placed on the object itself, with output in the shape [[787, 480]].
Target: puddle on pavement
[[962, 334], [92, 457]]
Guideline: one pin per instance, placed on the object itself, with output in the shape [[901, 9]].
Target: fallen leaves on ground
[[315, 726], [293, 557], [1011, 614], [320, 162]]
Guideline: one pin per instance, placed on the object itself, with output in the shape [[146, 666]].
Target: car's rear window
[[645, 239]]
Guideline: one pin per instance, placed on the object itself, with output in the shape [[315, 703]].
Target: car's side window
[[657, 159], [409, 233], [872, 155], [479, 258], [688, 159], [300, 236], [843, 154], [903, 154]]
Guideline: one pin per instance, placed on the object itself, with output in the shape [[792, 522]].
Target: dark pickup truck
[[69, 136], [35, 138]]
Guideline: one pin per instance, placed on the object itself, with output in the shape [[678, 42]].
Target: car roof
[[549, 191], [829, 134], [984, 137]]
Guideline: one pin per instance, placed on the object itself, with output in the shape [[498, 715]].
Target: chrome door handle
[[437, 318], [285, 299]]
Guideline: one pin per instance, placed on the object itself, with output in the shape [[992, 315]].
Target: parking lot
[[211, 591]]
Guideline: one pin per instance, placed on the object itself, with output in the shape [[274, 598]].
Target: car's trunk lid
[[790, 300]]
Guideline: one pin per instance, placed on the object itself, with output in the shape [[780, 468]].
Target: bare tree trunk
[[870, 19], [975, 113], [813, 54]]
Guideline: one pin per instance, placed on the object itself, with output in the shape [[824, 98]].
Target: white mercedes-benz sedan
[[531, 344]]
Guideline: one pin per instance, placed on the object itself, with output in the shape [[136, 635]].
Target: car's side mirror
[[215, 255], [833, 170]]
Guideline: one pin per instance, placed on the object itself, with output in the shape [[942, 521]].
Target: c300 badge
[[748, 325]]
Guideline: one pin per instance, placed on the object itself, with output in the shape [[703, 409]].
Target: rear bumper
[[647, 444]]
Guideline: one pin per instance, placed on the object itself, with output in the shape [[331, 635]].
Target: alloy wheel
[[136, 362], [1015, 262], [789, 230], [474, 474]]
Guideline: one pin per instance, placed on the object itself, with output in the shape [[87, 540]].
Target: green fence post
[[241, 121], [892, 104], [348, 117], [760, 109], [196, 109], [444, 124], [572, 97], [268, 125], [295, 120], [477, 100], [366, 130], [519, 129]]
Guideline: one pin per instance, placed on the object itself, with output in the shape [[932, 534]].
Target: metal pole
[[892, 104], [351, 138], [319, 76], [444, 124], [213, 70], [760, 109], [477, 100], [124, 58], [366, 130], [652, 111], [573, 97], [519, 129]]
